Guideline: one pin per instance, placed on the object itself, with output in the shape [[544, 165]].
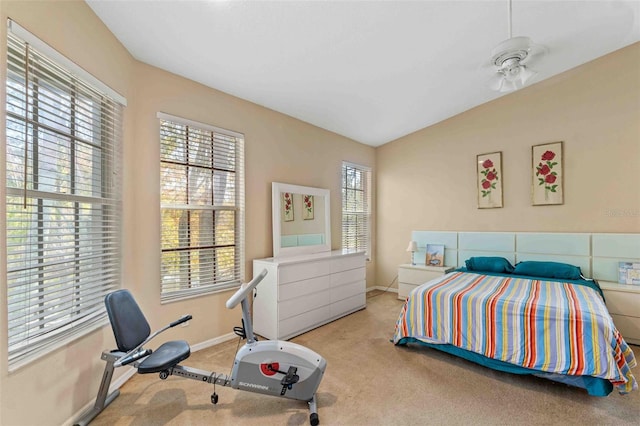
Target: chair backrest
[[128, 323]]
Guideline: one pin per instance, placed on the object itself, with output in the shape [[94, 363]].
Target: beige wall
[[430, 176], [49, 390], [277, 148]]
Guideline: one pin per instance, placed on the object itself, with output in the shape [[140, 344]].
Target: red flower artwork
[[490, 177], [288, 207], [307, 203], [543, 169], [548, 155], [544, 172]]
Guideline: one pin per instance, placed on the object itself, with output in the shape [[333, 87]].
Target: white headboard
[[596, 254]]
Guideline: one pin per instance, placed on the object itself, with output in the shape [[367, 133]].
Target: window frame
[[69, 299], [215, 286], [364, 215]]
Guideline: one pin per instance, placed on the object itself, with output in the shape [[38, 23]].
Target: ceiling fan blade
[[495, 83], [509, 86], [526, 74]]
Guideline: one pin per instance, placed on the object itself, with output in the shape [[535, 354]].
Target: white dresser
[[304, 292], [411, 276], [623, 302]]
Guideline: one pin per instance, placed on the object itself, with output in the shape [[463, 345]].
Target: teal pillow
[[489, 264], [548, 270]]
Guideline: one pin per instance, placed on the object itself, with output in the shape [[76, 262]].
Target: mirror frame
[[278, 188]]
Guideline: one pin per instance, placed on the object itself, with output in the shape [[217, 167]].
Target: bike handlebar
[[245, 290]]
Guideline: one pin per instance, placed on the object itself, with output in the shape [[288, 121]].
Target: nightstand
[[411, 276], [623, 303]]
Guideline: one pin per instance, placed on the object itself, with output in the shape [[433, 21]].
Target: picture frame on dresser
[[435, 255]]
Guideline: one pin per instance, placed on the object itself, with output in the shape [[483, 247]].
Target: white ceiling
[[372, 71]]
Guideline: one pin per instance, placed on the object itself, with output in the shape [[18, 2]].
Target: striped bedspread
[[542, 325]]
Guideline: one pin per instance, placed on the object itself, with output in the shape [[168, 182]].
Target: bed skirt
[[595, 386]]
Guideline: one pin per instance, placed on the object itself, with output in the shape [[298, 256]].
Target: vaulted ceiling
[[372, 71]]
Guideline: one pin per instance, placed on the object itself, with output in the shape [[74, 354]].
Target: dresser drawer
[[292, 307], [348, 305], [623, 303], [347, 262], [303, 322], [415, 276], [347, 290], [346, 277], [302, 271], [404, 289], [302, 288], [411, 276]]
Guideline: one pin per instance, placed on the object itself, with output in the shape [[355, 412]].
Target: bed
[[555, 325]]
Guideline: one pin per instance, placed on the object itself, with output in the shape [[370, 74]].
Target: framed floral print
[[489, 168], [547, 178], [287, 206], [307, 207]]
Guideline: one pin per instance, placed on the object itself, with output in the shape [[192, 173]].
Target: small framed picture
[[287, 206], [307, 207], [435, 255], [489, 171], [547, 179]]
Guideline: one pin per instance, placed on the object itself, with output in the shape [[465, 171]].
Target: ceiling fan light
[[511, 75], [509, 61], [511, 69]]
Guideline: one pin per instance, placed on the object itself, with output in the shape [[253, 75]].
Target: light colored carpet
[[369, 381]]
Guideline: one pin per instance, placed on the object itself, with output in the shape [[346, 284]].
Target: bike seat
[[168, 355]]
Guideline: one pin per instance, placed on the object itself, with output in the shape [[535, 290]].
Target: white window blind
[[202, 207], [63, 200], [356, 207]]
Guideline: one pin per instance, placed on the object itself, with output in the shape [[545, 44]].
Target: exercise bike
[[270, 367]]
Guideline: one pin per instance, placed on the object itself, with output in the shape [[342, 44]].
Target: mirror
[[301, 219]]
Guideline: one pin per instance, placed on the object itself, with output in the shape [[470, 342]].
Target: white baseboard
[[382, 288], [212, 342], [117, 383]]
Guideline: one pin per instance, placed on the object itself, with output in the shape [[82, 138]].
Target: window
[[202, 207], [63, 199], [356, 207]]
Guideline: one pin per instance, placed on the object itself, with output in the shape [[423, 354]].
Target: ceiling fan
[[510, 61]]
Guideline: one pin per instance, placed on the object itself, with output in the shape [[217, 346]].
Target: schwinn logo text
[[254, 386]]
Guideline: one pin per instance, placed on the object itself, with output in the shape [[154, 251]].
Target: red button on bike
[[269, 369]]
